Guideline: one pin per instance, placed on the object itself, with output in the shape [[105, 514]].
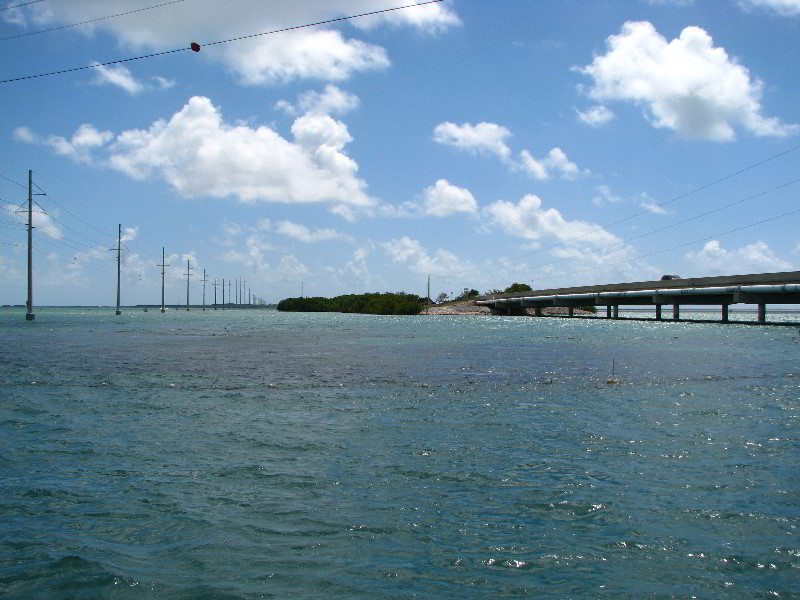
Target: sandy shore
[[470, 309]]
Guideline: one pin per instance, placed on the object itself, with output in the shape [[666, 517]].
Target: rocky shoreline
[[472, 309]]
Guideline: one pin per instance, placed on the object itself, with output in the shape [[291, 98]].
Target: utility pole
[[223, 293], [229, 291], [236, 304], [29, 316], [188, 274], [215, 293], [119, 248], [204, 288], [428, 297], [244, 291], [162, 265]]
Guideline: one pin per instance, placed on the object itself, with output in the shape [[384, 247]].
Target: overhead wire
[[25, 187], [130, 12], [649, 209], [20, 5], [658, 230], [196, 47], [66, 210], [665, 250]]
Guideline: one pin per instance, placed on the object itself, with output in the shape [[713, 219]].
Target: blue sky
[[479, 142]]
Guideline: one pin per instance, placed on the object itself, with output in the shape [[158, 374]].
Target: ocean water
[[257, 454]]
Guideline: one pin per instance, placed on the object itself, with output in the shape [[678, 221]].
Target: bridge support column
[[676, 312], [608, 311], [508, 311], [616, 311], [537, 311], [725, 313], [570, 311], [762, 313], [658, 312]]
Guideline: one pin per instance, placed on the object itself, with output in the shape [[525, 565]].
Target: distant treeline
[[370, 304]]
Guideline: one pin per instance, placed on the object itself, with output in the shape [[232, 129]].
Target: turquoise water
[[250, 454]]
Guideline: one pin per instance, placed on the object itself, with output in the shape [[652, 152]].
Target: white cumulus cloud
[[199, 154], [752, 258], [314, 53], [490, 139], [687, 84], [119, 76], [596, 115], [789, 8], [556, 162], [79, 147], [529, 220], [483, 138], [331, 101], [411, 253], [302, 233], [443, 199]]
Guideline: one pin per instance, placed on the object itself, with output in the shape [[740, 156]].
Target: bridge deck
[[760, 289]]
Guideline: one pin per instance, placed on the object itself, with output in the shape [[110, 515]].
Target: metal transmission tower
[[204, 288], [215, 292], [29, 316], [162, 265], [119, 249], [188, 274]]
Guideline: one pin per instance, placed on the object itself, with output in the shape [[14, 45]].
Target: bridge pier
[[755, 289]]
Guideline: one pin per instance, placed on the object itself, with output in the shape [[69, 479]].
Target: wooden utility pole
[[162, 265], [215, 292], [119, 249], [188, 274], [29, 316], [229, 291], [204, 288], [428, 299]]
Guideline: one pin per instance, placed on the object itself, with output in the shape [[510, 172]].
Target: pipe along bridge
[[759, 289]]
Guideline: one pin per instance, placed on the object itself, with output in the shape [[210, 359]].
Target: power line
[[21, 5], [130, 12], [66, 210], [664, 251], [640, 213], [196, 47], [24, 187], [660, 229]]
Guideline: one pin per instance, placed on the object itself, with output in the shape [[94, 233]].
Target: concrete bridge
[[759, 289]]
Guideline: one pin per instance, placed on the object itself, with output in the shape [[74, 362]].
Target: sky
[[476, 142]]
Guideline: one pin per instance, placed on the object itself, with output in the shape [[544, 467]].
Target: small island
[[398, 303]]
